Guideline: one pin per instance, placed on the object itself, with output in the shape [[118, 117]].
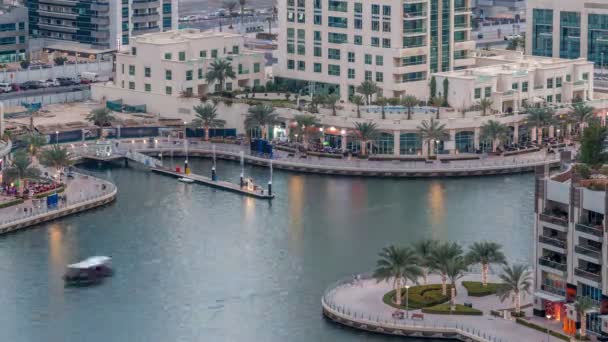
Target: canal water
[[196, 264]]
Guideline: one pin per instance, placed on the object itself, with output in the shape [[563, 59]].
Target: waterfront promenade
[[358, 303]]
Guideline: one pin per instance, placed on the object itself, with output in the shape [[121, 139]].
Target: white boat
[[89, 271], [186, 180]]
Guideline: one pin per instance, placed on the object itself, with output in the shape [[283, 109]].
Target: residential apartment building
[[13, 33], [571, 249], [175, 63], [513, 80], [334, 45], [568, 29], [100, 24]]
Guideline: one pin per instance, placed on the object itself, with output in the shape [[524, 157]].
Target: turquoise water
[[196, 264]]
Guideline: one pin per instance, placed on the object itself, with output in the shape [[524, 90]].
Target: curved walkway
[[359, 304]]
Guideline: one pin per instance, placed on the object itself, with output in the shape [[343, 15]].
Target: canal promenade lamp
[[186, 166], [407, 301]]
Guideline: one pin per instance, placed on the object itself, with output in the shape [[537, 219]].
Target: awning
[[549, 296], [537, 99]]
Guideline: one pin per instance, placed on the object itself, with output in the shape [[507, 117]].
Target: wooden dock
[[216, 184]]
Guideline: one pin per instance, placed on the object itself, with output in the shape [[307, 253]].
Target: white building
[[512, 80], [176, 63], [568, 29], [337, 44]]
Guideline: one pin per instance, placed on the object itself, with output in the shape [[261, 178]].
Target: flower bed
[[444, 309], [419, 297], [476, 288]]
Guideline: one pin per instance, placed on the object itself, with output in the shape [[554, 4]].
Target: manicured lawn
[[476, 289], [419, 297], [444, 309]]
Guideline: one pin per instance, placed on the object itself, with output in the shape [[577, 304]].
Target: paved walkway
[[364, 299]]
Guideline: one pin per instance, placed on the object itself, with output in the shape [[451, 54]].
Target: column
[[568, 130], [533, 133], [397, 143], [344, 141], [551, 131], [452, 142], [117, 132], [476, 137], [425, 148], [1, 119], [515, 133]]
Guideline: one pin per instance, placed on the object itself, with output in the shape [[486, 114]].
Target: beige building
[[176, 63], [334, 45], [512, 80]]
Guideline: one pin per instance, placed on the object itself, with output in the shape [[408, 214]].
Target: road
[[43, 91]]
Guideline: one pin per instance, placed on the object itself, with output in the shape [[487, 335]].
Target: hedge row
[[476, 288], [542, 329], [419, 296], [11, 203], [444, 309], [45, 194]]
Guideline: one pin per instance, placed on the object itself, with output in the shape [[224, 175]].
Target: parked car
[[51, 82], [30, 85], [512, 36], [16, 86], [5, 87], [93, 77], [65, 81]]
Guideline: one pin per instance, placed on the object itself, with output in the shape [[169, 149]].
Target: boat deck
[[216, 184]]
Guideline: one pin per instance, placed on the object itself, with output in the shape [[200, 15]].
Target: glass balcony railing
[[588, 275], [586, 228], [560, 221], [553, 264], [552, 241], [560, 291], [588, 251]]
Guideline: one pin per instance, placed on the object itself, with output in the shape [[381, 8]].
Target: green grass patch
[[11, 203], [476, 288], [444, 309], [542, 329], [419, 297]]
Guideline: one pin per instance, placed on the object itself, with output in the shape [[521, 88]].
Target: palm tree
[[357, 100], [441, 260], [485, 253], [517, 281], [581, 114], [582, 305], [398, 264], [382, 102], [423, 249], [34, 141], [101, 117], [366, 132], [540, 117], [495, 132], [367, 89], [207, 115], [485, 104], [454, 269], [437, 102], [220, 70], [315, 101], [409, 102], [260, 116], [304, 124], [331, 101], [432, 131], [20, 168], [56, 156]]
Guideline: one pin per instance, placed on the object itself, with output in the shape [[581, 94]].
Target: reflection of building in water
[[436, 203]]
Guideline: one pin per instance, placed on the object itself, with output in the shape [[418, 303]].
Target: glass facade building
[[570, 35], [542, 32]]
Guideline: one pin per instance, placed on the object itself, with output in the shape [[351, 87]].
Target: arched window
[[385, 144], [410, 143], [465, 141]]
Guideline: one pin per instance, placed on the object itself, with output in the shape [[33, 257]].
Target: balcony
[[584, 228], [148, 29], [588, 275], [144, 18], [588, 251], [560, 221], [141, 4], [414, 15], [462, 10], [552, 264], [553, 241], [414, 31]]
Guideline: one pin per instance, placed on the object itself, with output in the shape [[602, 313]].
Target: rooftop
[[181, 36]]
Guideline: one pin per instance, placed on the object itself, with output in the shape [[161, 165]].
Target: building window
[[333, 53], [358, 23], [203, 54], [375, 42], [337, 38], [558, 98], [550, 98], [386, 26], [182, 56], [338, 22], [147, 72], [235, 49], [338, 6], [379, 77], [558, 82], [358, 7], [134, 51], [333, 70], [317, 19], [132, 85], [413, 77], [368, 59], [317, 4], [386, 43], [386, 11], [132, 70], [542, 32], [168, 75], [375, 25], [168, 90], [301, 65], [301, 49], [317, 67], [488, 92], [570, 35], [122, 67], [379, 60], [351, 57], [568, 78], [413, 60], [368, 75], [317, 36], [477, 93], [375, 9], [585, 76], [122, 84], [515, 86], [147, 87], [317, 51], [188, 75], [200, 73], [256, 67], [168, 56], [291, 64], [351, 73], [358, 40], [524, 86], [549, 83], [214, 53]]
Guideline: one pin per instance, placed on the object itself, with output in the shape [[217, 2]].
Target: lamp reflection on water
[[436, 203], [296, 193]]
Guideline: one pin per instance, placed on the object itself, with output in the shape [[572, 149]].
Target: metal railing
[[554, 219], [552, 264], [553, 241], [588, 275], [596, 254], [581, 227]]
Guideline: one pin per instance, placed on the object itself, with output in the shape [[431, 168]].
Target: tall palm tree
[[367, 89], [34, 141], [517, 282], [454, 269], [357, 100], [101, 117], [57, 157], [581, 114], [437, 102], [485, 253], [21, 167], [220, 70], [207, 115], [315, 101], [485, 104], [432, 131], [366, 132], [441, 260], [306, 124], [260, 116], [397, 264], [382, 102], [423, 249], [582, 305], [540, 117], [409, 102], [495, 132], [331, 100]]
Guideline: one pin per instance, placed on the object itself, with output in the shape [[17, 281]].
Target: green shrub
[[11, 203], [476, 288], [419, 296], [542, 329], [444, 309]]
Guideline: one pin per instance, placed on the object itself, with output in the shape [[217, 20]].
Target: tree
[[220, 70], [331, 100], [582, 305], [367, 89], [495, 132], [485, 104], [60, 60], [485, 253], [515, 43], [540, 117], [437, 102], [25, 64], [382, 102], [424, 249], [34, 141], [454, 269], [409, 102], [581, 114], [442, 261], [398, 264], [315, 101], [20, 168], [446, 85], [56, 156], [306, 124], [366, 132], [260, 116], [516, 281], [592, 144], [101, 117], [432, 131], [357, 100], [433, 86], [208, 117], [394, 101]]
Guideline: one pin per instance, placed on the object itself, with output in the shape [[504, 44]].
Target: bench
[[419, 316]]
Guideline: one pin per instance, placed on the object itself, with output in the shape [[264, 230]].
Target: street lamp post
[[57, 137], [548, 331], [407, 301]]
